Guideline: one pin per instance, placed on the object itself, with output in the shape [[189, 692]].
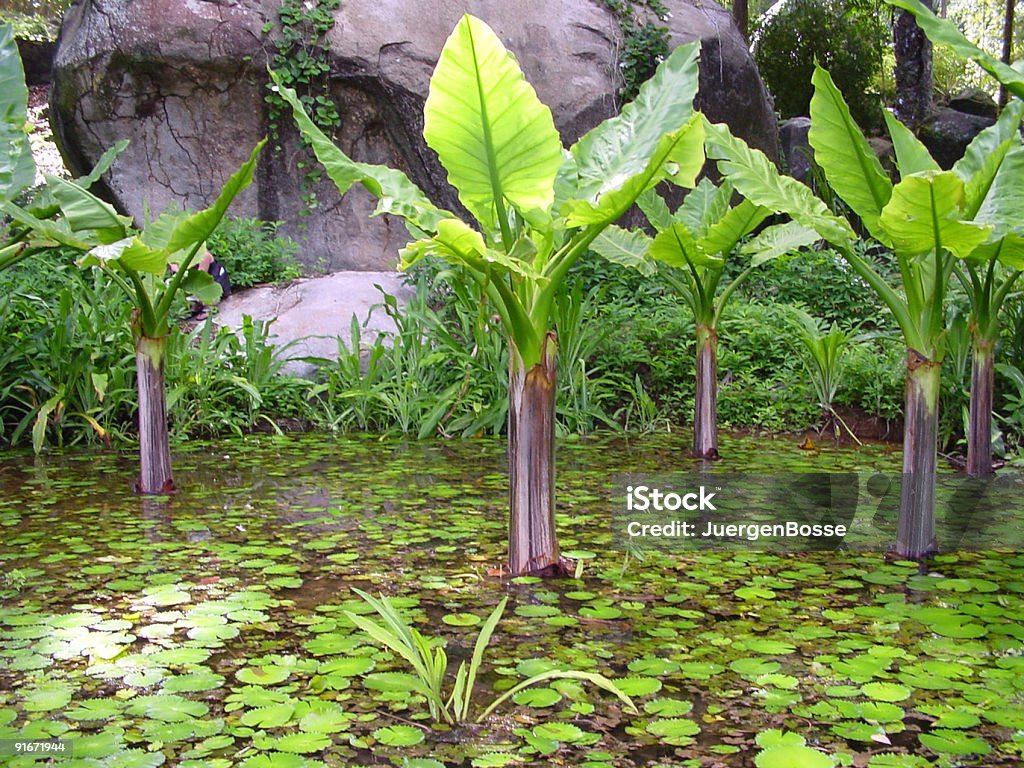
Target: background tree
[[538, 208]]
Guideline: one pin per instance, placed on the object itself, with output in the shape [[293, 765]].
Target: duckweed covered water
[[208, 629]]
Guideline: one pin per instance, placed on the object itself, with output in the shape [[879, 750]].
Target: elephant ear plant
[[937, 222], [17, 168], [138, 262], [692, 248], [536, 209]]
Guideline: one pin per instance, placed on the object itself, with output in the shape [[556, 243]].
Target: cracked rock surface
[[185, 82]]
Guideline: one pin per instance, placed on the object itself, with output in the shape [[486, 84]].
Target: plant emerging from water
[[536, 209], [430, 663]]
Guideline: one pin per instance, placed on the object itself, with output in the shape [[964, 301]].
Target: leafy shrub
[[822, 283], [253, 252], [846, 37]]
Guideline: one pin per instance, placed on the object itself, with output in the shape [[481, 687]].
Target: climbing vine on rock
[[644, 43], [300, 56]]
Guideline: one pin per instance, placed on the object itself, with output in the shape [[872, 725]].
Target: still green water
[[208, 629]]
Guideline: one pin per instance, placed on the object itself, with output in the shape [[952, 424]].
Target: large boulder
[[947, 133], [185, 82]]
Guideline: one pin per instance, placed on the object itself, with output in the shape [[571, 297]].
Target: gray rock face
[[948, 132], [185, 82], [311, 315], [796, 149], [975, 101]]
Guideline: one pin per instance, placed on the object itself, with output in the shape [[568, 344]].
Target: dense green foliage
[[253, 252], [844, 36], [37, 20]]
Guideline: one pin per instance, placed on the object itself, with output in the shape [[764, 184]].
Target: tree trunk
[[913, 71], [154, 447], [705, 416], [532, 542], [741, 14], [915, 538], [1007, 47], [979, 430]]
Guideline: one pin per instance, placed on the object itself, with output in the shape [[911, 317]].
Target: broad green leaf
[[850, 165], [792, 756], [1003, 206], [398, 735], [911, 155], [17, 168], [945, 32], [86, 212], [923, 215], [45, 231], [196, 228], [724, 234], [140, 257], [622, 147], [755, 177], [978, 187], [656, 209], [704, 206], [778, 241], [492, 134], [676, 247], [455, 242], [102, 165], [626, 247], [199, 283], [678, 156], [985, 143], [394, 192]]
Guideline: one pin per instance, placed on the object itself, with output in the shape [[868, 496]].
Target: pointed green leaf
[[676, 247], [911, 155], [778, 241], [723, 235], [625, 247], [945, 32], [704, 206], [924, 214], [656, 209], [621, 147], [987, 142], [492, 134], [86, 212], [1003, 206], [395, 193], [45, 230], [756, 178], [17, 168], [850, 165], [196, 228], [678, 156]]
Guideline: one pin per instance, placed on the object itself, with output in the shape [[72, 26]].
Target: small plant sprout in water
[[430, 663]]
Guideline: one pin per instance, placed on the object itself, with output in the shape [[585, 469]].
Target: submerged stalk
[[154, 446], [979, 429], [705, 416], [533, 546], [916, 534]]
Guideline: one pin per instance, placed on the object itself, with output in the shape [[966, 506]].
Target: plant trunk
[[154, 447], [1007, 47], [979, 430], [915, 538], [705, 416], [532, 543], [741, 15], [913, 71]]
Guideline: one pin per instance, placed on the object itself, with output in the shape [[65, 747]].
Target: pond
[[210, 629]]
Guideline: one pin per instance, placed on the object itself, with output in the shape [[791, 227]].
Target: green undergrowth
[[215, 628], [67, 375]]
